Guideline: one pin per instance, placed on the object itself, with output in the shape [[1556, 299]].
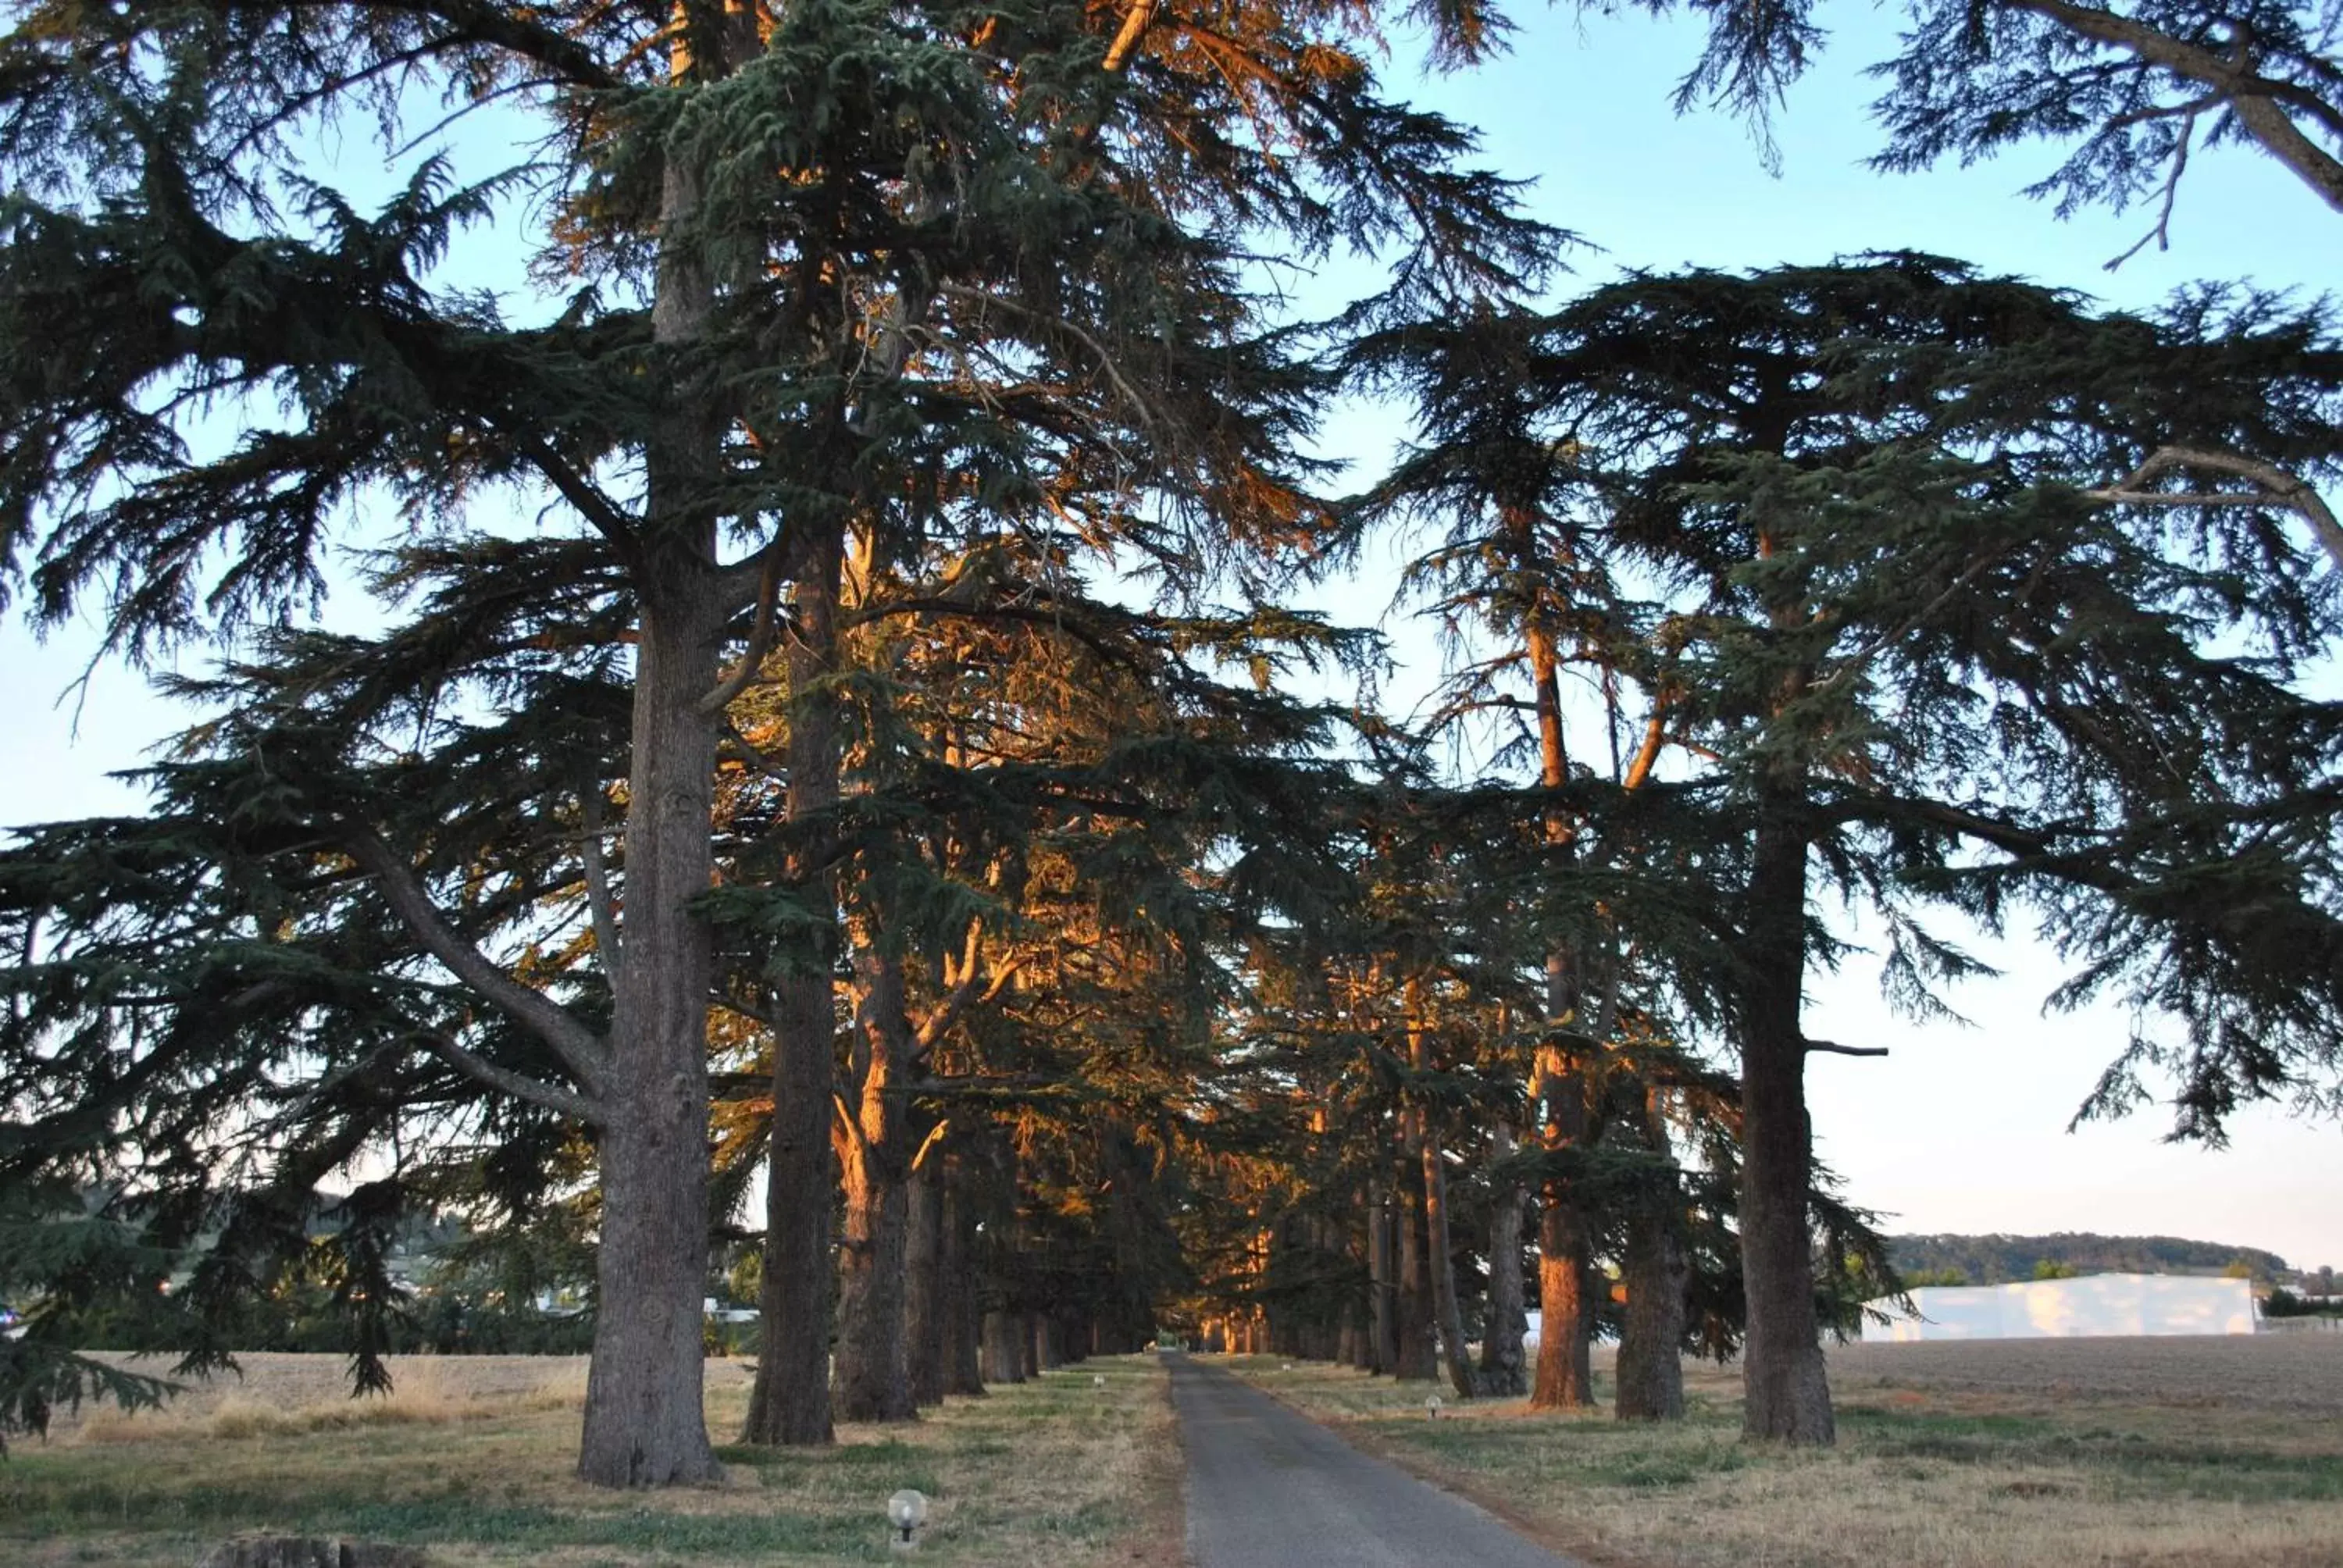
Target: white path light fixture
[[1431, 1407], [1098, 1380], [906, 1511]]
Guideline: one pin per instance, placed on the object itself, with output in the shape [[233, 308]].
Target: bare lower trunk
[[964, 1366], [1566, 1379], [1383, 1324], [1440, 1253], [1506, 1319], [1004, 1356], [1443, 1275], [1786, 1396], [645, 1424], [1417, 1355], [789, 1402], [872, 1380], [930, 1309], [1650, 1341]]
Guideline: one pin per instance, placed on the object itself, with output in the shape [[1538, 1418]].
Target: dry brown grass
[[470, 1457], [2212, 1453]]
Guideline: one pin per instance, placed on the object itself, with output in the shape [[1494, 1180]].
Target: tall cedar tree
[[1937, 653], [1033, 783], [796, 227]]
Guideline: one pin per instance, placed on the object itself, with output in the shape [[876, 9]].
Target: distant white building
[[2095, 1304]]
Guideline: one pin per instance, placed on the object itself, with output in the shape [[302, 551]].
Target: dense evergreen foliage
[[816, 702]]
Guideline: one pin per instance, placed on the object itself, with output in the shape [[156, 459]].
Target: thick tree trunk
[[1440, 1253], [1418, 1355], [1786, 1392], [1566, 1379], [1506, 1319], [645, 1421], [1382, 1316], [872, 1381], [1650, 1341], [1443, 1274], [1786, 1396], [1029, 1347], [789, 1402], [1004, 1355], [928, 1311], [964, 1367]]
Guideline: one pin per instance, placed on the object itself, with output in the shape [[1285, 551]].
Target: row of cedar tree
[[827, 706]]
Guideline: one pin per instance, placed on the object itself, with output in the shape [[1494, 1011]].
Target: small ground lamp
[[1431, 1406], [1098, 1380], [906, 1511]]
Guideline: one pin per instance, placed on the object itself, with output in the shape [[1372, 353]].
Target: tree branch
[[519, 1085], [2279, 488], [1126, 39], [580, 1049], [760, 638], [617, 528], [478, 22], [2250, 98], [1834, 1049], [603, 909], [2162, 233], [1130, 394]]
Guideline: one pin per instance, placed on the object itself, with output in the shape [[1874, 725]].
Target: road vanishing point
[[1270, 1488]]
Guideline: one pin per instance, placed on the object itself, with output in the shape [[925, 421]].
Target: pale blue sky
[[1959, 1129]]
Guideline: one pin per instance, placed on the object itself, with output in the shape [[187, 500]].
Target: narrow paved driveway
[[1270, 1489]]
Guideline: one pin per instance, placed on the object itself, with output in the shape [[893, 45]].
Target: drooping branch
[[2162, 233], [519, 1085], [580, 1049]]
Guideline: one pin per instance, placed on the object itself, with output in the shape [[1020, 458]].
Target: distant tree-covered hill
[[1993, 1259]]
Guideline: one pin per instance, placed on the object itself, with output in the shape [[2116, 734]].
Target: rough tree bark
[[1382, 1314], [1650, 1341], [1502, 1357], [1786, 1394], [1564, 1375], [645, 1424], [789, 1402], [1004, 1355], [1566, 1379], [1440, 1249], [645, 1421], [872, 1377], [929, 1310], [1416, 1356], [964, 1367]]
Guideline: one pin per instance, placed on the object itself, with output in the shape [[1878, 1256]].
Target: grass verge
[[2234, 1461], [471, 1459]]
